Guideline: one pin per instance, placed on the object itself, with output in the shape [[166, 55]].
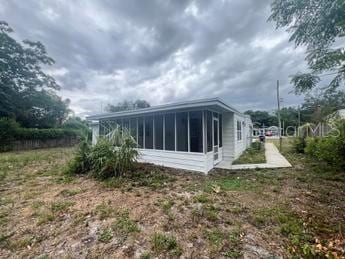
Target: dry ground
[[160, 212]]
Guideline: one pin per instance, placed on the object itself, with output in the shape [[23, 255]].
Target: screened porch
[[196, 131]]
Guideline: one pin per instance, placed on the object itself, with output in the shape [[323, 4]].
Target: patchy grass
[[165, 244], [202, 198], [104, 210], [71, 192], [105, 235], [161, 212], [124, 224], [61, 206], [252, 155]]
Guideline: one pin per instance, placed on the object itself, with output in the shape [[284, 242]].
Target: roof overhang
[[214, 103]]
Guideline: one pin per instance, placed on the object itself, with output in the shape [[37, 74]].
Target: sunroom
[[186, 135]]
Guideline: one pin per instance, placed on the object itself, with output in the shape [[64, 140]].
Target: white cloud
[[162, 51]]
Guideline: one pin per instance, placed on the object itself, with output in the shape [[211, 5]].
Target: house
[[194, 135]]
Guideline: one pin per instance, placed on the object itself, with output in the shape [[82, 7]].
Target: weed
[[105, 235], [70, 192], [4, 217], [104, 210], [215, 237], [61, 206], [125, 225], [145, 255], [154, 180], [220, 240], [162, 243], [166, 205], [114, 182], [210, 212], [45, 217], [63, 179], [37, 204], [3, 175], [4, 239], [238, 209], [202, 198]]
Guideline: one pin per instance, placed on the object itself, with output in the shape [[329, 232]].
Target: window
[[125, 124], [239, 130], [140, 133], [195, 131], [133, 124], [182, 131], [149, 132], [169, 131], [220, 130], [159, 132], [209, 130]]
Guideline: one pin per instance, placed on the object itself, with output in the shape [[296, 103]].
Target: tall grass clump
[[112, 156]]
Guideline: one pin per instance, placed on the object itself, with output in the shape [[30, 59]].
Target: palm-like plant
[[113, 155]]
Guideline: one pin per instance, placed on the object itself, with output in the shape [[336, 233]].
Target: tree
[[319, 25], [316, 107], [27, 93], [77, 124], [262, 118], [289, 117], [128, 105]]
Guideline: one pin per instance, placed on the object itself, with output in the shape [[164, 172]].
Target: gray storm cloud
[[161, 51]]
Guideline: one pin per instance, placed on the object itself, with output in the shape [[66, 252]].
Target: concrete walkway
[[273, 160]]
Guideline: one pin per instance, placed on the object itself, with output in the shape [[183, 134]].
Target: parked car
[[268, 133]]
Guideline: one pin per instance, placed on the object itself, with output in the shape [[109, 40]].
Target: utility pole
[[279, 121], [299, 116]]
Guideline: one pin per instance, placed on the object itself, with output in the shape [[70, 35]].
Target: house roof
[[211, 102]]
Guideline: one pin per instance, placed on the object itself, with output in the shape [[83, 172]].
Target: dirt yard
[[167, 213]]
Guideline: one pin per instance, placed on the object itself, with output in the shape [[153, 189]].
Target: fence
[[18, 145]]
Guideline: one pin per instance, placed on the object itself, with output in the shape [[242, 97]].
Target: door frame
[[215, 148]]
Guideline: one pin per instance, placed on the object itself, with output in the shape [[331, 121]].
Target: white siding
[[228, 137], [175, 159], [243, 144], [95, 133], [209, 161]]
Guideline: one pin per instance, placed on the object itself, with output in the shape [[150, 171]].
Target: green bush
[[330, 149], [81, 163], [110, 157], [10, 130], [312, 146], [299, 144], [257, 145]]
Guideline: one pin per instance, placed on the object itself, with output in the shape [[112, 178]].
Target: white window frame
[[239, 130]]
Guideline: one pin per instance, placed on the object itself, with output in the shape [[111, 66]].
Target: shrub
[[10, 131], [311, 146], [101, 157], [299, 144], [330, 149], [110, 157], [257, 145], [81, 162]]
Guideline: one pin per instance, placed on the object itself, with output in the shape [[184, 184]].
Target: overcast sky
[[162, 51]]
